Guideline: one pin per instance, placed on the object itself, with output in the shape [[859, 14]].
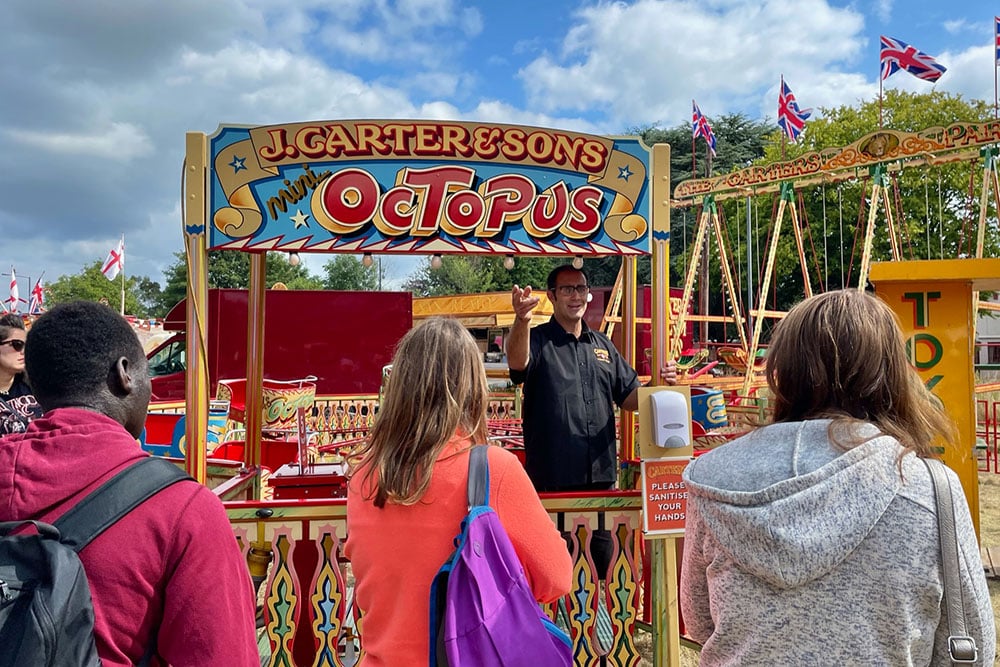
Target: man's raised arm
[[518, 342]]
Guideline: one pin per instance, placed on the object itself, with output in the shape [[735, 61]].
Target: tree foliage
[[91, 285], [933, 207], [347, 272], [229, 269]]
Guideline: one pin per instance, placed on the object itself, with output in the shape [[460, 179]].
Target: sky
[[96, 95]]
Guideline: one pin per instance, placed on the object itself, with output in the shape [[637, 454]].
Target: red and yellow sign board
[[958, 140], [397, 186], [664, 496]]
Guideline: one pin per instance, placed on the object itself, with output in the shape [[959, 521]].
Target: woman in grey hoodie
[[814, 540]]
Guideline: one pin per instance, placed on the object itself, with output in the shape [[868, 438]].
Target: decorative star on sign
[[624, 172], [300, 219], [238, 163]]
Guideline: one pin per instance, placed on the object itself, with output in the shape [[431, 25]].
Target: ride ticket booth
[[936, 302], [432, 188]]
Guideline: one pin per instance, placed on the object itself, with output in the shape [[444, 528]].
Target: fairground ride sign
[[394, 186]]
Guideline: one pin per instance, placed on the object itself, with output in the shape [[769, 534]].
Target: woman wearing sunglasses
[[17, 404]]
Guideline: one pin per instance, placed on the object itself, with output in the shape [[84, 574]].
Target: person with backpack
[[407, 495], [168, 582]]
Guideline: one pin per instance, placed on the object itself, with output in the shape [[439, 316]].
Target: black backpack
[[46, 613]]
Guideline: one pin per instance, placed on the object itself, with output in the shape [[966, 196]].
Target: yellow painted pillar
[[255, 363], [934, 302], [662, 552], [196, 254]]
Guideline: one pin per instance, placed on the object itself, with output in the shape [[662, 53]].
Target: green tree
[[347, 272], [91, 285], [231, 269], [149, 295], [526, 271], [458, 274], [934, 208]]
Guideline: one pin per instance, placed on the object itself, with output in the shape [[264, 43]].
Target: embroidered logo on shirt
[[602, 355]]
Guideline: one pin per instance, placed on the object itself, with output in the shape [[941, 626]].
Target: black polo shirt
[[570, 385]]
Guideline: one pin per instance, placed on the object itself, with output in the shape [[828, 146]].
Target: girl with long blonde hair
[[407, 494]]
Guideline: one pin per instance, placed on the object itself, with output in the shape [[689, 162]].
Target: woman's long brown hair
[[842, 355], [437, 388]]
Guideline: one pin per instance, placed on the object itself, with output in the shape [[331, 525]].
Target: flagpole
[[880, 98], [694, 172], [784, 133], [122, 260]]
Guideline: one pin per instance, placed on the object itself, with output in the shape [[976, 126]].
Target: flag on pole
[[700, 127], [115, 262], [37, 303], [996, 38], [895, 55], [791, 119], [14, 297]]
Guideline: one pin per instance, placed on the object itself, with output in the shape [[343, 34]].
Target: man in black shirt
[[573, 377]]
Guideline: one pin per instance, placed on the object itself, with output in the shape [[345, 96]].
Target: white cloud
[[644, 62], [883, 10], [119, 142], [956, 26], [105, 90]]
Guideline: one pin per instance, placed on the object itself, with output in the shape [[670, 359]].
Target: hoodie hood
[[59, 457], [787, 505]]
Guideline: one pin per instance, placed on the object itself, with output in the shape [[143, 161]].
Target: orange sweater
[[396, 551]]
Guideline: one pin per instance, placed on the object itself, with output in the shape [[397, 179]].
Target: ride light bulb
[[578, 262], [508, 262], [367, 260], [293, 258], [436, 262]]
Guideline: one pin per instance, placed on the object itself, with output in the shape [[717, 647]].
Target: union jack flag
[[37, 303], [996, 34], [791, 119], [701, 128], [896, 55]]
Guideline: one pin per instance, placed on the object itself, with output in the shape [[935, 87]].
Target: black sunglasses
[[15, 343]]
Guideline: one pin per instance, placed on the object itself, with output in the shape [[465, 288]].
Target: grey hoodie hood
[[767, 499]]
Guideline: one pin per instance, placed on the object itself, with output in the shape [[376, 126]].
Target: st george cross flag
[[37, 303], [896, 55], [791, 119], [700, 127], [15, 297], [115, 261]]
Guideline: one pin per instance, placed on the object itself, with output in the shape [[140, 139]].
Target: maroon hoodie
[[171, 565]]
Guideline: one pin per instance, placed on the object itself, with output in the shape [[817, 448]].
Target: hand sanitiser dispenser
[[671, 419]]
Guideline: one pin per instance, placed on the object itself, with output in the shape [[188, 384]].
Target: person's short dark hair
[[10, 321], [72, 348], [556, 272]]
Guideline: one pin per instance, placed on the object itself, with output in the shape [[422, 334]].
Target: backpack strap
[[479, 477], [114, 499]]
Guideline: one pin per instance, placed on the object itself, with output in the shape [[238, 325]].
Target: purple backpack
[[482, 611]]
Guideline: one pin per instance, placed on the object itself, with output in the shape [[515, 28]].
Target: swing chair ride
[[876, 166]]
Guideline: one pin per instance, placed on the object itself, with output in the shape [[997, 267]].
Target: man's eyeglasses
[[15, 343], [567, 290]]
